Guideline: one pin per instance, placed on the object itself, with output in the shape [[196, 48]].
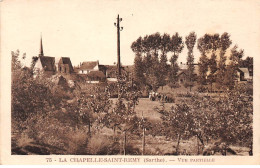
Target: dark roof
[[127, 68], [66, 60], [48, 63], [111, 67], [182, 71], [99, 74], [88, 65], [76, 69]]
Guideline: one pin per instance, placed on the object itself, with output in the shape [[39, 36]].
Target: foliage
[[149, 69], [176, 46], [102, 145], [178, 121], [225, 42], [190, 41]]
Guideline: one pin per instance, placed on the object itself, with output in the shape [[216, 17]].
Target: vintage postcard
[[130, 82]]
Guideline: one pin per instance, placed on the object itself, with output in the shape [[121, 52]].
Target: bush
[[47, 130], [102, 145], [202, 89]]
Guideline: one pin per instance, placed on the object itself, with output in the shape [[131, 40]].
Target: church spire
[[41, 48]]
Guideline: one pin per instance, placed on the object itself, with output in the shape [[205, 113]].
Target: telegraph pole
[[118, 44]]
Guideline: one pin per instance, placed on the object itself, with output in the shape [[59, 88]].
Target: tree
[[29, 96], [179, 121], [138, 62], [235, 60], [123, 115], [190, 42], [176, 46], [91, 104], [213, 69], [138, 70], [163, 70], [225, 42], [204, 45], [33, 62], [227, 119]]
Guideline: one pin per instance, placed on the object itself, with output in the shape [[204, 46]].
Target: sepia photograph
[[129, 81]]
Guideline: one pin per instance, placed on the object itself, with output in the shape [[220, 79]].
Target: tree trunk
[[124, 142], [114, 129], [143, 141], [134, 107], [178, 143], [198, 145], [89, 126]]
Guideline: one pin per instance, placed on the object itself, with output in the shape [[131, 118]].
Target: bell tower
[[41, 49]]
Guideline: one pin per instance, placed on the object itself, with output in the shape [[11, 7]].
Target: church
[[50, 65]]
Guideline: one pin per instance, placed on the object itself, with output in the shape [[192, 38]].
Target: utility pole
[[118, 44]]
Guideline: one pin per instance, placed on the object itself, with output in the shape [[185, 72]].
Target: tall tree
[[213, 69], [235, 59], [215, 43], [204, 45], [163, 69], [190, 41], [176, 46], [225, 42], [138, 62]]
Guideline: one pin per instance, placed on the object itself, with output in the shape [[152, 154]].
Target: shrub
[[48, 130], [202, 89], [102, 145]]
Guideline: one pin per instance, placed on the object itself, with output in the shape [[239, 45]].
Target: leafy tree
[[203, 46], [228, 118], [123, 115], [163, 70], [138, 70], [30, 96], [176, 46], [179, 121], [235, 59], [33, 62], [139, 63], [190, 41], [91, 104], [225, 42], [248, 63], [213, 69]]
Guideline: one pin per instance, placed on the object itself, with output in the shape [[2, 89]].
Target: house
[[183, 75], [91, 71], [64, 66], [94, 72], [87, 67], [243, 75]]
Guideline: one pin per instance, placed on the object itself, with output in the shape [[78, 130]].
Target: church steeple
[[41, 48]]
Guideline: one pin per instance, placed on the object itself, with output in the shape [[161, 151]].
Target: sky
[[84, 29]]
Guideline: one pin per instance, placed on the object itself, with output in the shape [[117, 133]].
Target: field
[[161, 145]]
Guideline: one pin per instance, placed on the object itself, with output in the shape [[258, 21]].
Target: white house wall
[[38, 64]]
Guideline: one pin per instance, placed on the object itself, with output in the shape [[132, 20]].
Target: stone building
[[50, 66]]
